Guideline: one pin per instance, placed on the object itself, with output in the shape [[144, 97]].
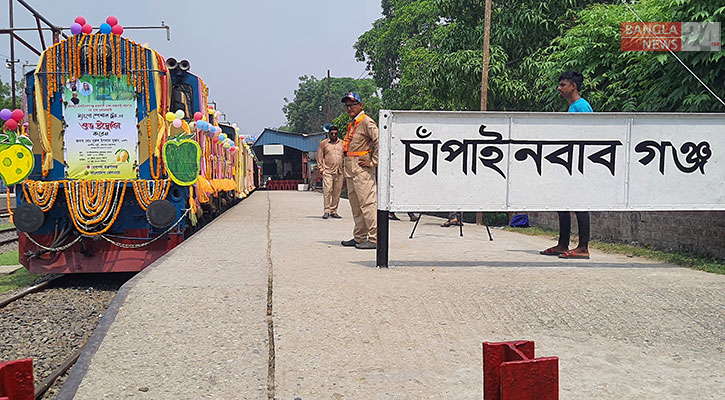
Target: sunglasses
[[351, 105]]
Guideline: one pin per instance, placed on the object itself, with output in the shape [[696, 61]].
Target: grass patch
[[702, 263], [9, 258], [6, 225], [20, 278]]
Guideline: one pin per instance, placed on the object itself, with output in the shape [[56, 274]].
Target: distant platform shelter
[[285, 157]]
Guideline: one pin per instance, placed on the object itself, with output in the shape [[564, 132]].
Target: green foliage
[[627, 81], [426, 54], [6, 100], [306, 113]]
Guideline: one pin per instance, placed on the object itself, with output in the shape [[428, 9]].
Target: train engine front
[[99, 197]]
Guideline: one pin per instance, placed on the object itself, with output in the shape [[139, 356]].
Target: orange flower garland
[[75, 200], [105, 42], [145, 195], [42, 194]]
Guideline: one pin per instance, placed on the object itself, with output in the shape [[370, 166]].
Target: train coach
[[119, 159]]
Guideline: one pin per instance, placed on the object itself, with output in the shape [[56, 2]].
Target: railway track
[[33, 289], [51, 323], [8, 236]]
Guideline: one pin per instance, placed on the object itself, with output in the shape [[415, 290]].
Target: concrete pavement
[[623, 328]]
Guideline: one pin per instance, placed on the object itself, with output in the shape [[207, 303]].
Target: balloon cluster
[[110, 26], [214, 132], [175, 118], [11, 118]]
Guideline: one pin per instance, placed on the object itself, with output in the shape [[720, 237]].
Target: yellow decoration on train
[[16, 157]]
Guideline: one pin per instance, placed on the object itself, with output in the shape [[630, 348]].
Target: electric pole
[[484, 71], [328, 96]]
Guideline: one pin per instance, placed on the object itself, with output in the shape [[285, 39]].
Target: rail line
[[33, 289], [8, 241]]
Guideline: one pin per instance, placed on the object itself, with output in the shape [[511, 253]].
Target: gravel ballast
[[51, 325]]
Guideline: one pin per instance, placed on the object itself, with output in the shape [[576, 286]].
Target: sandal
[[453, 222], [571, 254], [551, 251]]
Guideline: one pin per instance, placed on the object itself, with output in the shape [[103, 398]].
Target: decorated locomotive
[[128, 158]]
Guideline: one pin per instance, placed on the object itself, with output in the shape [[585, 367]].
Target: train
[[129, 157]]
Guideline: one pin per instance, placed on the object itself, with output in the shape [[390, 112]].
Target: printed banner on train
[[101, 137], [496, 161]]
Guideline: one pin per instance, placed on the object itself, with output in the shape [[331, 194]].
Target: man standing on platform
[[360, 148], [329, 157], [570, 82]]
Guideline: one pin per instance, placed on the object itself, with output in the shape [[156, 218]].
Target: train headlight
[[161, 214], [28, 217]]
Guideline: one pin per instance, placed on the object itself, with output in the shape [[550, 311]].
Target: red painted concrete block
[[511, 372], [16, 380]]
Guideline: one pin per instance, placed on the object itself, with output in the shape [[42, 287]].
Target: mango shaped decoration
[[16, 157], [181, 157]]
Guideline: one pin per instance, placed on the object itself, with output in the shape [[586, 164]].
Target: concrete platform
[[194, 325]]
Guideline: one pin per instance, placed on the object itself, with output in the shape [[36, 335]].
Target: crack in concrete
[[270, 291]]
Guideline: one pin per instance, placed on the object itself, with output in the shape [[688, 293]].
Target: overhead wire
[[675, 55]]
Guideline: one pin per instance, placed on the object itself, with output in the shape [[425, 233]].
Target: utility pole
[[486, 54], [484, 71], [328, 96]]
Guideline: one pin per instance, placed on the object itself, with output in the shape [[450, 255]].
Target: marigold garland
[[106, 218], [145, 195], [40, 193]]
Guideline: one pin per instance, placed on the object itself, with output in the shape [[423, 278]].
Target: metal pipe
[[35, 13], [28, 45], [12, 57], [381, 256], [40, 32]]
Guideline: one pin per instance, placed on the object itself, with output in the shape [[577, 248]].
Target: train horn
[[171, 63], [184, 65]]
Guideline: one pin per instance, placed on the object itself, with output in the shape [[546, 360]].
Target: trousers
[[331, 188], [582, 219], [362, 193]]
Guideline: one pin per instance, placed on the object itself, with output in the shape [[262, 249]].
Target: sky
[[250, 53]]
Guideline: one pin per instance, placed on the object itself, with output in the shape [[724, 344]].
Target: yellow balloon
[[170, 116]]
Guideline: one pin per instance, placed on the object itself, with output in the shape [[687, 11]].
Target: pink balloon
[[117, 30], [18, 115], [11, 124], [215, 139], [113, 21], [176, 123], [87, 29], [198, 115], [80, 21]]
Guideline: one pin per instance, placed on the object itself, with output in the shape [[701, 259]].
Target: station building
[[286, 158]]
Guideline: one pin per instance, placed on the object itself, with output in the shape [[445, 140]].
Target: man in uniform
[[329, 157], [360, 148]]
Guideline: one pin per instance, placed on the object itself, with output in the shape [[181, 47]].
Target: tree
[[6, 100], [426, 54], [307, 111], [628, 81]]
